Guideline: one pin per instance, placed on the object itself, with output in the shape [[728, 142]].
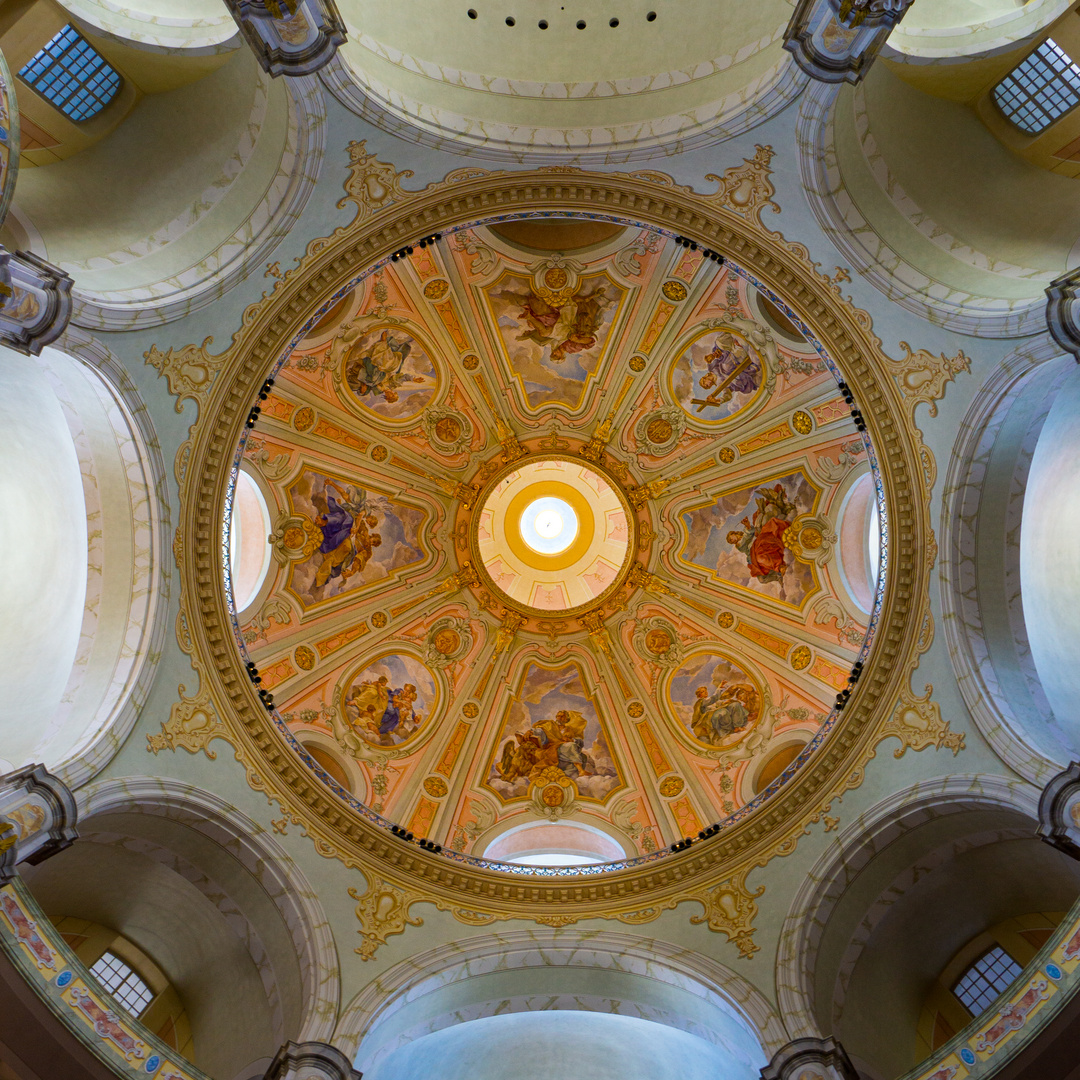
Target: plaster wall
[[43, 555], [1048, 571], [561, 1046]]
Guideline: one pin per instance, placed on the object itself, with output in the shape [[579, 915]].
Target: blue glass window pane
[[71, 75], [1040, 90], [992, 974]]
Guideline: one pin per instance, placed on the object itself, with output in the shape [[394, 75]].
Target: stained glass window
[[991, 974], [1040, 90], [70, 74], [120, 981]]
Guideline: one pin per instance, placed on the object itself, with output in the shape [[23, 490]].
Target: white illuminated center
[[549, 525]]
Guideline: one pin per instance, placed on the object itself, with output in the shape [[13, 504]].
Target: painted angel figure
[[377, 368], [347, 543]]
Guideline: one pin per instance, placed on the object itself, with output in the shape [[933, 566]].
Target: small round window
[[249, 546]]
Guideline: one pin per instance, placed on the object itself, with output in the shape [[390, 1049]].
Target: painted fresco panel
[[552, 722], [739, 538], [358, 537], [714, 699], [386, 371], [554, 339], [717, 376], [389, 701]]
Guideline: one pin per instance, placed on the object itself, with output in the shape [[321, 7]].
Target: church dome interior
[[539, 540]]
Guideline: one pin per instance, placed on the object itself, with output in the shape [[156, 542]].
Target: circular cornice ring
[[902, 634]]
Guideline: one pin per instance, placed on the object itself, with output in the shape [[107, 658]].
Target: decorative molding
[[769, 94], [810, 1059], [1059, 811], [311, 1061], [837, 40], [290, 37], [190, 371], [1063, 311], [35, 301]]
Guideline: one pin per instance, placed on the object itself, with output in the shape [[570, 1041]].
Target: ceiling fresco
[[558, 534]]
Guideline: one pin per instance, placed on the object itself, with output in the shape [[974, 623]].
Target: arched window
[[120, 980], [249, 549], [565, 843], [71, 75], [1040, 90], [990, 975]]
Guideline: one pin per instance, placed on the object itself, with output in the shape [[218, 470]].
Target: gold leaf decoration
[[917, 723], [190, 371], [746, 189], [383, 910], [922, 376], [730, 910], [193, 723]]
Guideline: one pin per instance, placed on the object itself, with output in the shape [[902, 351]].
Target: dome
[[562, 531]]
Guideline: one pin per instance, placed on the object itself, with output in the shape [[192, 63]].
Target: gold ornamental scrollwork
[[712, 872]]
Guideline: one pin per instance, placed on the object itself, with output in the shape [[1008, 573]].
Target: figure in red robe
[[762, 541]]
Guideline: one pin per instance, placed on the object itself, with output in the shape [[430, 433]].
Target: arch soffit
[[388, 216], [192, 286], [840, 864], [924, 294], [426, 972], [962, 497], [136, 664], [261, 856]]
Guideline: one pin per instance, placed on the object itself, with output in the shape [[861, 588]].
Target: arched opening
[[543, 1045], [80, 573], [868, 957], [249, 548], [1049, 575], [859, 527], [194, 893], [563, 843]]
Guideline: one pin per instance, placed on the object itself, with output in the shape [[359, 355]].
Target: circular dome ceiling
[[569, 522]]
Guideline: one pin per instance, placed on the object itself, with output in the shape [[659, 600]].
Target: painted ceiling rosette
[[569, 522]]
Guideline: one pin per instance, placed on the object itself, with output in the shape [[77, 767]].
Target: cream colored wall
[[43, 558]]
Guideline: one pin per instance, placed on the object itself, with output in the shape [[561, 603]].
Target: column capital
[[1063, 311], [1059, 811], [810, 1059], [35, 301], [290, 37], [311, 1061], [37, 817], [836, 41]]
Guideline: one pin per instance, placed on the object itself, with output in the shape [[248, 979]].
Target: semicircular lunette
[[695, 623]]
